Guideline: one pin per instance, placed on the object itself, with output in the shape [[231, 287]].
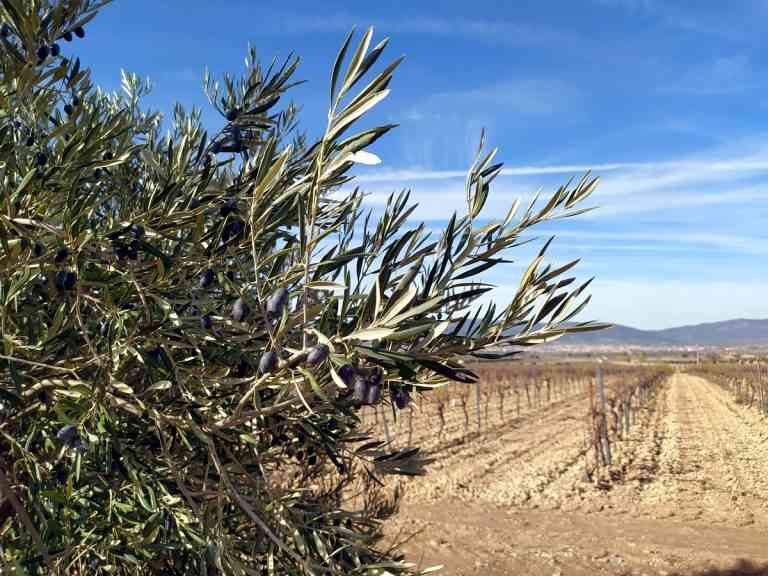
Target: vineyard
[[635, 449], [507, 393]]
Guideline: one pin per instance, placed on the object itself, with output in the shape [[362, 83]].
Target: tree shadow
[[741, 568]]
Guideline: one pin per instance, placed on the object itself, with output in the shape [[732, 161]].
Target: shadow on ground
[[741, 568]]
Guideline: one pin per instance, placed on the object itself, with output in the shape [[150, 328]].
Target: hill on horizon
[[737, 332]]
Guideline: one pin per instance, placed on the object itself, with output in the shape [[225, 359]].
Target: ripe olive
[[67, 434], [317, 355], [267, 362], [206, 278], [61, 255], [240, 310], [277, 301], [360, 389], [374, 394], [347, 374]]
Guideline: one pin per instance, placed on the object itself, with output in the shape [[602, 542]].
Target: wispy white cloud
[[444, 127], [413, 175], [656, 304], [731, 242], [528, 96], [644, 175]]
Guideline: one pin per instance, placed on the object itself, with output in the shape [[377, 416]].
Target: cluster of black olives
[[64, 279], [128, 249], [53, 49], [366, 388]]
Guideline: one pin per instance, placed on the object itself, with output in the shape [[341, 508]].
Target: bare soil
[[690, 495]]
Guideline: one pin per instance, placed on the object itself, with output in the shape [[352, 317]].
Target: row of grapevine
[[747, 382], [616, 399], [506, 392]]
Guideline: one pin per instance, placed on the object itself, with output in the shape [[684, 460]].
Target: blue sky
[[664, 101]]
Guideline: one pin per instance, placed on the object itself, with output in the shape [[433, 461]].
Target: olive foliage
[[191, 323]]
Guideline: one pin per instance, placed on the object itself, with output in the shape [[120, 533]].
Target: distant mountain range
[[741, 332]]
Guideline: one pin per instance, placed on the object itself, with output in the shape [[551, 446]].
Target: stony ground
[[691, 498]]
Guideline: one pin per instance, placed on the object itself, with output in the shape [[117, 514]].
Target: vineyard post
[[384, 419], [627, 414], [463, 398], [477, 403], [601, 392], [410, 425]]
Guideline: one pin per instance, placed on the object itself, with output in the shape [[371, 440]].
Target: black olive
[[5, 30], [137, 230], [55, 50], [108, 155], [347, 374], [30, 140], [312, 460], [79, 32], [232, 114], [70, 280], [374, 394], [69, 109], [317, 355], [156, 354], [61, 255], [232, 230], [133, 249], [41, 159], [194, 204], [38, 249], [375, 378], [206, 322], [240, 310], [216, 147], [75, 101], [267, 362], [67, 36], [243, 369], [206, 278], [121, 250], [360, 389], [42, 52], [60, 474], [277, 301], [67, 434], [97, 173], [229, 206], [400, 397]]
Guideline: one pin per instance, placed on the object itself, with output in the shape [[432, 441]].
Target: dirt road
[[693, 498]]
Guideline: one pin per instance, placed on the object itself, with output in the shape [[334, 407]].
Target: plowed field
[[690, 494]]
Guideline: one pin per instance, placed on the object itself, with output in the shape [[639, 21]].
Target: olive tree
[[191, 323]]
